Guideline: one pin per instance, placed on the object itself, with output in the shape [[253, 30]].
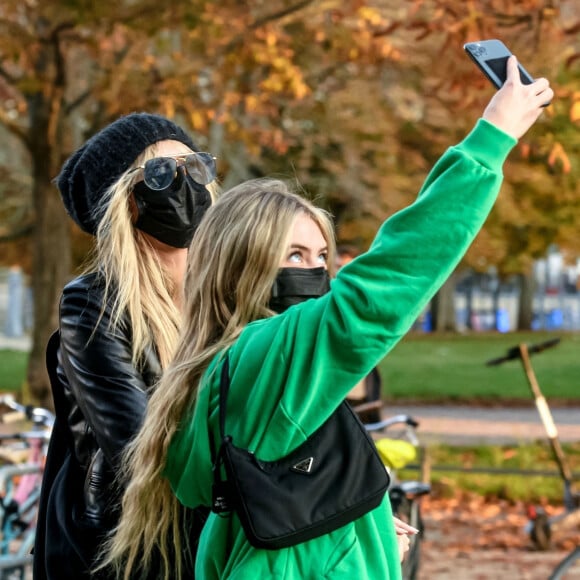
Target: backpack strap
[[224, 388]]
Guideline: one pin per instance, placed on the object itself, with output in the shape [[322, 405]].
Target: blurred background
[[355, 100]]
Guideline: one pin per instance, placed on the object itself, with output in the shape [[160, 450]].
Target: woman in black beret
[[140, 186]]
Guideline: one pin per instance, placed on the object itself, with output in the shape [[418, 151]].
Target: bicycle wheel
[[569, 567], [409, 510]]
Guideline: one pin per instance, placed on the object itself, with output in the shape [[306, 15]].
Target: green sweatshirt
[[289, 372]]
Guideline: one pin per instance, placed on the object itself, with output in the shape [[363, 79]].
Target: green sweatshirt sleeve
[[311, 356]]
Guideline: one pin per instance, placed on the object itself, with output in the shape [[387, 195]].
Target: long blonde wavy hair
[[134, 277], [235, 256]]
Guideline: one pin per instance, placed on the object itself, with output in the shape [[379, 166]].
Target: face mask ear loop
[[275, 288]]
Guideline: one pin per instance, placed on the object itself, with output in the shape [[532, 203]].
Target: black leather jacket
[[106, 394], [100, 400]]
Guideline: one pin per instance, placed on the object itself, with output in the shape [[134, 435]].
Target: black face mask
[[295, 285], [173, 214]]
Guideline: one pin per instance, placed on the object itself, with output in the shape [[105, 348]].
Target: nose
[[314, 262]]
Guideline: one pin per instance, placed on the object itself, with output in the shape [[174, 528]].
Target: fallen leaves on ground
[[469, 537]]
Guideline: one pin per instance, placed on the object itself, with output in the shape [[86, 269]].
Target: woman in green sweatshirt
[[290, 371]]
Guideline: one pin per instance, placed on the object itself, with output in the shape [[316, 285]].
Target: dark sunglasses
[[159, 172]]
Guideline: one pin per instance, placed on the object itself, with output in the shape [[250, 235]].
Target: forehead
[[306, 232], [170, 148]]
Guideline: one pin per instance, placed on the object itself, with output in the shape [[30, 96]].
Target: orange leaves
[[169, 107], [270, 39], [285, 77], [558, 158], [286, 80], [252, 103], [371, 15], [525, 150], [575, 111], [198, 120], [271, 50], [575, 108], [469, 536]]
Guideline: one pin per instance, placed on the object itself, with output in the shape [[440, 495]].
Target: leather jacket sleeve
[[96, 360]]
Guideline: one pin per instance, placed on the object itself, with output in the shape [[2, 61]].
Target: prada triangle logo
[[303, 466]]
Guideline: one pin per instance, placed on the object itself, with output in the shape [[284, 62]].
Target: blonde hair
[[232, 266], [134, 277]]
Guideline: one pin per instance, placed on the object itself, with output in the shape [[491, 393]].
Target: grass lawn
[[443, 368], [526, 458], [447, 368], [13, 364]]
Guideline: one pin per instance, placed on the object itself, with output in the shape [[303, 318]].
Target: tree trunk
[[527, 286], [443, 307], [51, 268], [469, 314], [51, 247]]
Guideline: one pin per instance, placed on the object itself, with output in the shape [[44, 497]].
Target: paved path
[[456, 424], [8, 343]]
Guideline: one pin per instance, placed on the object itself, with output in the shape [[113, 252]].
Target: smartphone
[[491, 57]]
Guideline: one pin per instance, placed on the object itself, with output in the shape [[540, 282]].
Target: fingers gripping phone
[[491, 57]]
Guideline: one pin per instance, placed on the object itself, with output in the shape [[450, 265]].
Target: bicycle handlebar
[[515, 353], [38, 415], [395, 420], [25, 436]]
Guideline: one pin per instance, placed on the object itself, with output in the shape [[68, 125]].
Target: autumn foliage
[[354, 99]]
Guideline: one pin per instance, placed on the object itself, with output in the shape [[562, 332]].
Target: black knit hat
[[101, 161]]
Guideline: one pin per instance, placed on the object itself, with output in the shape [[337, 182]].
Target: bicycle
[[398, 449], [20, 485]]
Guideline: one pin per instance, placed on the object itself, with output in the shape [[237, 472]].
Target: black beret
[[101, 161]]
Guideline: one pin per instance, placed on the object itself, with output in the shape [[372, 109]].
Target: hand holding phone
[[515, 107], [491, 58]]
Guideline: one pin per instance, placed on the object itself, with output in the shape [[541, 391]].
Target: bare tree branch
[[386, 31], [133, 13], [239, 39], [509, 20], [280, 14], [574, 29], [258, 23], [17, 233], [78, 101], [55, 34]]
